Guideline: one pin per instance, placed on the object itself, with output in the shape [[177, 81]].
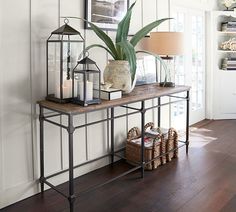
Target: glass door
[[190, 67]]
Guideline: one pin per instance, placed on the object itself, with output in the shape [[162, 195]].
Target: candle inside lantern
[[89, 90], [66, 89]]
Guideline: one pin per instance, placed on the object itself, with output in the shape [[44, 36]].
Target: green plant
[[122, 48]]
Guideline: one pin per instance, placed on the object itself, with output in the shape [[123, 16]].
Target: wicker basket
[[171, 143], [160, 145]]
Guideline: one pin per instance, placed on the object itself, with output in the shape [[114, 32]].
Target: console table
[[139, 94]]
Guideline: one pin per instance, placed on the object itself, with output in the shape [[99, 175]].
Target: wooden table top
[[140, 93]]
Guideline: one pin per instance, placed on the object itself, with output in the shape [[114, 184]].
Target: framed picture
[[106, 14], [146, 72]]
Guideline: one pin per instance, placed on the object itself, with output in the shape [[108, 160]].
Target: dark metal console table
[[139, 94]]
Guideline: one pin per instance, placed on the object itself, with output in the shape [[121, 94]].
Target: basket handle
[[149, 124], [133, 133]]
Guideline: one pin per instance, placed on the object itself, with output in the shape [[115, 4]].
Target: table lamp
[[167, 45]]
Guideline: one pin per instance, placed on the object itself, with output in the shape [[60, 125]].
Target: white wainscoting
[[25, 26]]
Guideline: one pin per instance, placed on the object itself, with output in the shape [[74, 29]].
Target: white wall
[[197, 4], [25, 25]]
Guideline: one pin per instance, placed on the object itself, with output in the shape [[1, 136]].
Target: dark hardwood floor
[[204, 180]]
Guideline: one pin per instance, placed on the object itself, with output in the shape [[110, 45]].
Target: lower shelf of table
[[116, 153]]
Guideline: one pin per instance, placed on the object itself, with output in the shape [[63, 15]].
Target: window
[[190, 68]]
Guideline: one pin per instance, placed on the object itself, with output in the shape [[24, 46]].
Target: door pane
[[190, 68]]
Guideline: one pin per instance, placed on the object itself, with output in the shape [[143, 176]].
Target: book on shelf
[[231, 61], [228, 26], [229, 69], [228, 29], [230, 58], [229, 22], [228, 64]]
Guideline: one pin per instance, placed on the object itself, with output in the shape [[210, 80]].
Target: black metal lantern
[[86, 83], [63, 48]]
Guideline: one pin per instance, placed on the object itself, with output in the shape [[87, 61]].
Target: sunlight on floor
[[198, 139]]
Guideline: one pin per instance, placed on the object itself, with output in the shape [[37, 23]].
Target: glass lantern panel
[[53, 69], [55, 37], [78, 88], [71, 52], [84, 87], [91, 87]]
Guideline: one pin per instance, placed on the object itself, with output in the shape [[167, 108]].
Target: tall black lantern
[[86, 83], [63, 48]]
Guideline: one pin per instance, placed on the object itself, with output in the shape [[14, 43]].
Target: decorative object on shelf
[[110, 94], [140, 72], [227, 3], [229, 45], [117, 73], [167, 44], [106, 86], [105, 14], [157, 142], [229, 64], [229, 26], [63, 47], [123, 49], [147, 72], [87, 82]]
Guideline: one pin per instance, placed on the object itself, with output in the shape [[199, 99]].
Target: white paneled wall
[[25, 26]]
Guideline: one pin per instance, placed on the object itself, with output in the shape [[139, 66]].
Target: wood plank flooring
[[203, 181]]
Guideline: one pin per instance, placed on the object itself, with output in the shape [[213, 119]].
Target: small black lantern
[[63, 48], [86, 83]]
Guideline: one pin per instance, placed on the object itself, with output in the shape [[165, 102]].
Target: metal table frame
[[110, 117]]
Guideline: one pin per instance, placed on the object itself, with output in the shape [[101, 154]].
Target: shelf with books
[[228, 26], [226, 51], [228, 64], [227, 70], [222, 65], [226, 32]]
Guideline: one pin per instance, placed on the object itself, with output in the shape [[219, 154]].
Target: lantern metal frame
[[62, 32], [85, 71]]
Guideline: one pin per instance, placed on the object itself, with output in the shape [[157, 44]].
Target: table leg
[[143, 111], [41, 126], [112, 135], [187, 122], [159, 112], [71, 130]]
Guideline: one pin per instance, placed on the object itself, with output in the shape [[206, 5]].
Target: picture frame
[[105, 14], [146, 72]]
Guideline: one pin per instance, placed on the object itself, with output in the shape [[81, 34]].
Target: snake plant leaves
[[130, 54], [123, 29], [123, 49], [145, 30], [106, 39]]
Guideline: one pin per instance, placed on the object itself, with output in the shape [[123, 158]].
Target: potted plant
[[120, 72]]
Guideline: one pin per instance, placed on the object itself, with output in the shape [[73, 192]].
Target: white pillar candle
[[67, 86], [75, 88], [67, 89], [89, 90]]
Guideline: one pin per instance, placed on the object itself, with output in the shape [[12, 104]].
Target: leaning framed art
[[106, 14]]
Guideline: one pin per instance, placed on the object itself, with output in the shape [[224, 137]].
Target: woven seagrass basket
[[160, 146]]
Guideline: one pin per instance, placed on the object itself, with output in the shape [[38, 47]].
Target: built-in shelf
[[228, 70], [226, 51], [224, 80], [225, 32], [226, 13]]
